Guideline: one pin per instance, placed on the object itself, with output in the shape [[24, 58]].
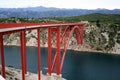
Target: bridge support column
[[58, 51], [2, 55], [54, 63], [23, 54], [39, 61], [49, 52], [82, 33], [78, 36]]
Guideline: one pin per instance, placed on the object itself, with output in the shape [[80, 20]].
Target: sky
[[78, 4]]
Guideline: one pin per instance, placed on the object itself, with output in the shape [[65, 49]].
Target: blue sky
[[83, 4]]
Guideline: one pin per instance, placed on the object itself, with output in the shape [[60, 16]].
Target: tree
[[98, 23]]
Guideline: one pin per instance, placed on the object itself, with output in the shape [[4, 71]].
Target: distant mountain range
[[44, 12]]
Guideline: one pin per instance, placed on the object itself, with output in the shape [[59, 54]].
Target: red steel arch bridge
[[62, 37]]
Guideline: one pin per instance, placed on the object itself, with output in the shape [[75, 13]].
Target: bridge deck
[[4, 27], [57, 61]]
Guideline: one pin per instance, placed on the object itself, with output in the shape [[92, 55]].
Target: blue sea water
[[77, 65]]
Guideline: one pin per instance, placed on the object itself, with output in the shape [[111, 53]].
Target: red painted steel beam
[[25, 60], [61, 40], [52, 27], [2, 55], [15, 25], [10, 32], [54, 30], [82, 32], [64, 34], [78, 36], [67, 43], [56, 61], [52, 24], [66, 38], [49, 51], [58, 50], [15, 31], [39, 58], [23, 54]]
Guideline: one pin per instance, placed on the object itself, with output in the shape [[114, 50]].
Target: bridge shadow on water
[[77, 65]]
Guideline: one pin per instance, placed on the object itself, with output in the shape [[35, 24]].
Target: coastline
[[87, 46], [83, 49], [16, 74]]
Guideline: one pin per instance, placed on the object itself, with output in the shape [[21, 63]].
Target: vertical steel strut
[[49, 51], [2, 55], [23, 54], [58, 50], [39, 61], [56, 62]]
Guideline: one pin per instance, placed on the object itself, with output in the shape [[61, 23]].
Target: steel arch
[[66, 38]]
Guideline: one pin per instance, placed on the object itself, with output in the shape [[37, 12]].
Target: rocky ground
[[16, 74]]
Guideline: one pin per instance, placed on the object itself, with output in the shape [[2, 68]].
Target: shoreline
[[16, 74], [81, 50]]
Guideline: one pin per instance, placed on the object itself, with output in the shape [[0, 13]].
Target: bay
[[77, 66]]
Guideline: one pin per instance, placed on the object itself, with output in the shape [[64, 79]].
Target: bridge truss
[[63, 33]]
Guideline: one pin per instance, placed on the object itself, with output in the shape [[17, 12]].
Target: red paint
[[55, 63], [16, 25], [44, 25], [23, 61], [2, 55], [58, 50], [66, 43], [49, 51], [39, 61]]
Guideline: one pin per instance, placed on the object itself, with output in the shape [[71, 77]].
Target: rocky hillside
[[105, 38], [102, 33]]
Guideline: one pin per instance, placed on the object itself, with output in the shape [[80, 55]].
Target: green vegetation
[[106, 18], [16, 79], [118, 38], [103, 23], [103, 29], [98, 18]]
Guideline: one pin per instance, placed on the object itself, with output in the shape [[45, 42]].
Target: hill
[[106, 18], [45, 12], [102, 32]]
